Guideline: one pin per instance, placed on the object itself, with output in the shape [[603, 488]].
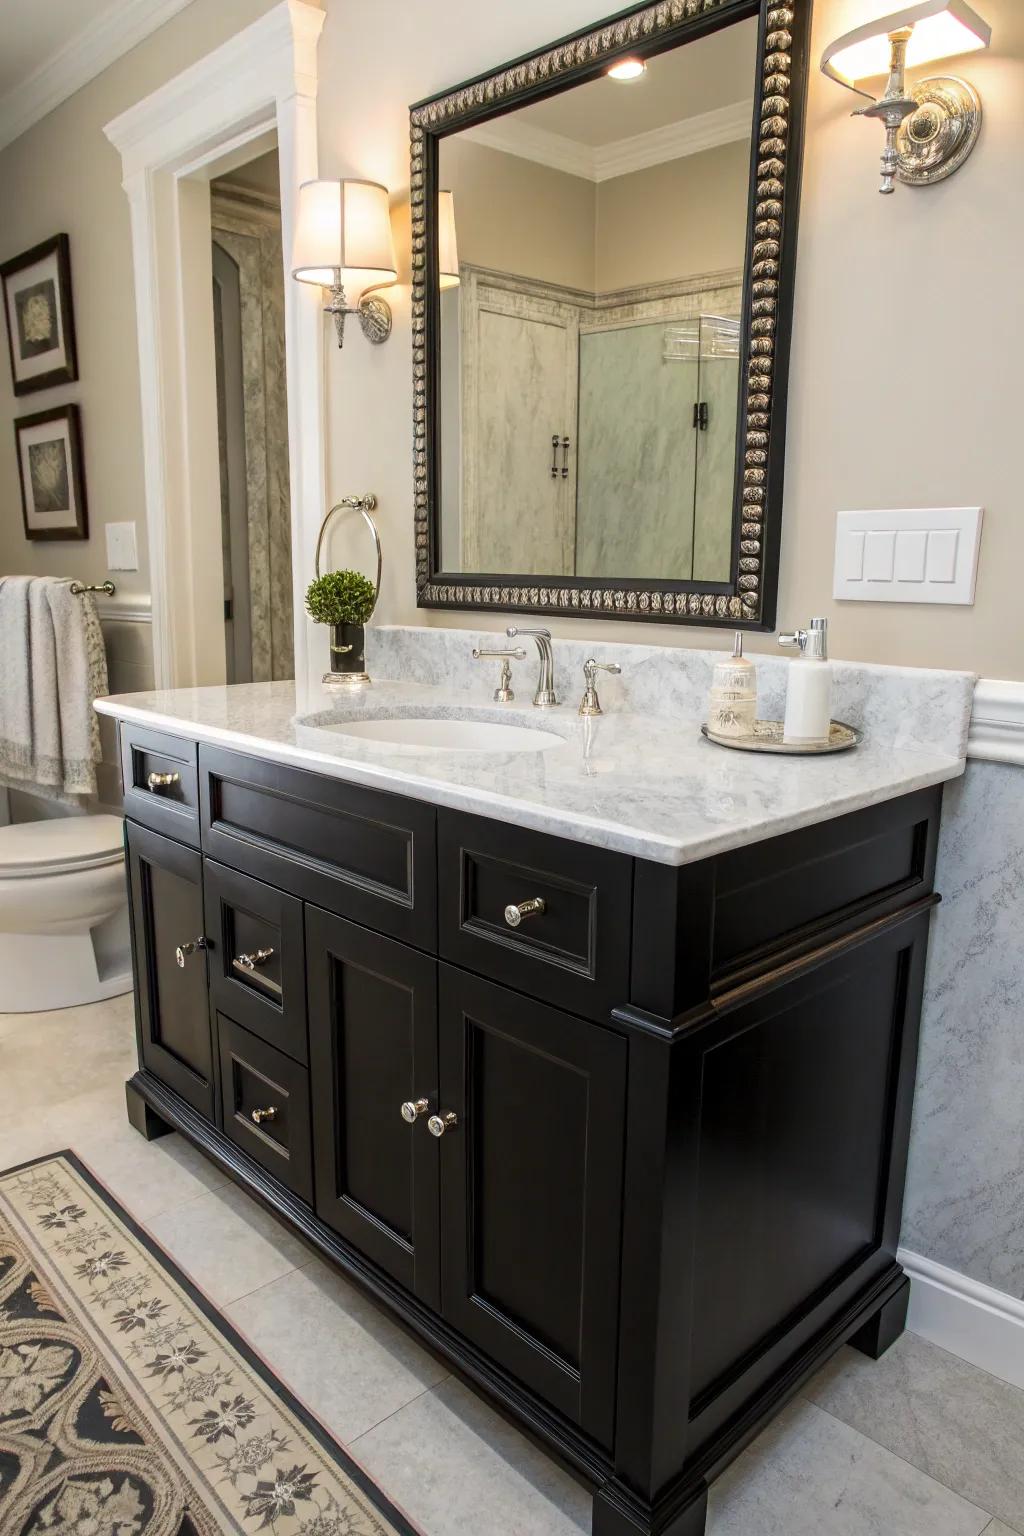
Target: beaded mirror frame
[[748, 600]]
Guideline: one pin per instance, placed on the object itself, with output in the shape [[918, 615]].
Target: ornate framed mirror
[[603, 270]]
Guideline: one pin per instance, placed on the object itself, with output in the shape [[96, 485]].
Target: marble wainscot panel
[[915, 707], [965, 1185], [640, 779]]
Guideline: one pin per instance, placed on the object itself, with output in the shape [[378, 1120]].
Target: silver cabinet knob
[[183, 951], [515, 912], [250, 962], [438, 1124], [413, 1108], [157, 781], [257, 1116]]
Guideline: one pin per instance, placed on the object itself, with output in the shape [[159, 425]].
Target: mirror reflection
[[590, 346]]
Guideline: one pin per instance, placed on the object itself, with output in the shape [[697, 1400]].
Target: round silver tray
[[767, 737]]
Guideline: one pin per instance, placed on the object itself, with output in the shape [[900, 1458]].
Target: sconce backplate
[[936, 139], [375, 319]]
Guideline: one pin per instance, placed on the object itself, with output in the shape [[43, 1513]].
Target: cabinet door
[[372, 1049], [175, 1044], [531, 1177]]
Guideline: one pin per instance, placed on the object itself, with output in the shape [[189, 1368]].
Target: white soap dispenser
[[809, 688]]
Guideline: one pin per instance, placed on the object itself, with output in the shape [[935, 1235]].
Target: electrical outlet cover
[[122, 548]]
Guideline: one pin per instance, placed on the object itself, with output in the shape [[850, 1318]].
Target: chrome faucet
[[545, 695]]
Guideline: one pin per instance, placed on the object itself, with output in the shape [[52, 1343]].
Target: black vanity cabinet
[[624, 1142], [168, 940]]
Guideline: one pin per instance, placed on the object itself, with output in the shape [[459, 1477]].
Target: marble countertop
[[640, 784]]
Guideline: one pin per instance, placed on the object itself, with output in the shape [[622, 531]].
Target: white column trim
[[263, 78], [997, 722], [974, 1321]]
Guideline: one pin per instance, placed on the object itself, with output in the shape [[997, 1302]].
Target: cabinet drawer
[[361, 853], [256, 957], [265, 1106], [161, 782], [574, 951]]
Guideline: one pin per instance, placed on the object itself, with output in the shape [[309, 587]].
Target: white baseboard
[[975, 1321]]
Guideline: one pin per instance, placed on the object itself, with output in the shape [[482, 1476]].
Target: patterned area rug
[[129, 1406]]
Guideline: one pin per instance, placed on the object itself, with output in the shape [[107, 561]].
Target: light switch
[[920, 555], [911, 549], [122, 548]]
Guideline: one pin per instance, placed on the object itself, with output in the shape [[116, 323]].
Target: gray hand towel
[[54, 667]]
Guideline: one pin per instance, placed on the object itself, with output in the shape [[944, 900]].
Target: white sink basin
[[450, 735]]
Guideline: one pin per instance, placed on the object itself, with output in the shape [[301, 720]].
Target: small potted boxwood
[[344, 600]]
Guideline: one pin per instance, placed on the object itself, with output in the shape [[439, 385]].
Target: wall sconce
[[447, 246], [930, 131], [343, 240]]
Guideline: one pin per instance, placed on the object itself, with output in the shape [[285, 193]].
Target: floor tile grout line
[[938, 1481], [425, 1393], [227, 1305]]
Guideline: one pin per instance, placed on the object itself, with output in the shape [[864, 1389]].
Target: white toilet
[[63, 913]]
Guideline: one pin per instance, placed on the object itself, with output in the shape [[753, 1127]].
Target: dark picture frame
[[51, 471], [39, 315], [748, 599]]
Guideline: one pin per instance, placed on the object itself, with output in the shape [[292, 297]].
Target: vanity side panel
[[781, 897], [806, 1087]]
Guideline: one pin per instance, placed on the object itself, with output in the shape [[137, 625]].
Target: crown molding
[[997, 722], [691, 136], [115, 31]]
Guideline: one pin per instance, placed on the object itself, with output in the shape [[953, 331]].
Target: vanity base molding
[[872, 1322]]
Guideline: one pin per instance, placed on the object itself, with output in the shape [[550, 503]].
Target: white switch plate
[[929, 555], [122, 549]]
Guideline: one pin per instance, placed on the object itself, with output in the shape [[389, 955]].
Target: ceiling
[[51, 48], [686, 82]]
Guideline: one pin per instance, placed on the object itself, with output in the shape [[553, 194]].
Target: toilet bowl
[[63, 913]]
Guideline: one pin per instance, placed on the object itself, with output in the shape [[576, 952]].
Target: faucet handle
[[590, 704], [503, 693]]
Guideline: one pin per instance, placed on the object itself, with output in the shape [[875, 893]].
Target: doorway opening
[[252, 420]]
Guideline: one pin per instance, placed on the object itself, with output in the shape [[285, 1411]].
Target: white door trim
[[264, 78]]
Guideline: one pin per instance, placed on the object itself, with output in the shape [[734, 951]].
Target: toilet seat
[[59, 845]]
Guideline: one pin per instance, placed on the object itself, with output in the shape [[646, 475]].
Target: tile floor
[[917, 1444]]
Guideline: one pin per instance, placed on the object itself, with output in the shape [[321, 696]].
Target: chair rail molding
[[997, 722], [262, 80]]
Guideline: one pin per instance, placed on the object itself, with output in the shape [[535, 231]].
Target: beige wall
[[517, 216], [674, 220], [64, 175], [905, 347]]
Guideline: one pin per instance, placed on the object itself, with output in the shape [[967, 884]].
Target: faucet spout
[[545, 697]]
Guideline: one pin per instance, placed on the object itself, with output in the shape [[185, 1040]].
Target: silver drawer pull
[[246, 965], [183, 951], [516, 911], [438, 1124], [158, 781], [413, 1108], [257, 1116], [250, 962]]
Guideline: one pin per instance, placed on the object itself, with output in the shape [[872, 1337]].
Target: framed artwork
[[52, 476], [40, 318]]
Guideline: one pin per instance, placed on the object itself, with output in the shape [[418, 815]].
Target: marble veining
[[638, 780], [965, 1192]]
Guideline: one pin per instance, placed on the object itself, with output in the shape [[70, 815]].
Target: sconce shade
[[941, 28], [447, 247], [344, 226]]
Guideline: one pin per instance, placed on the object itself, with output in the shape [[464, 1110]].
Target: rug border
[[213, 1314]]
